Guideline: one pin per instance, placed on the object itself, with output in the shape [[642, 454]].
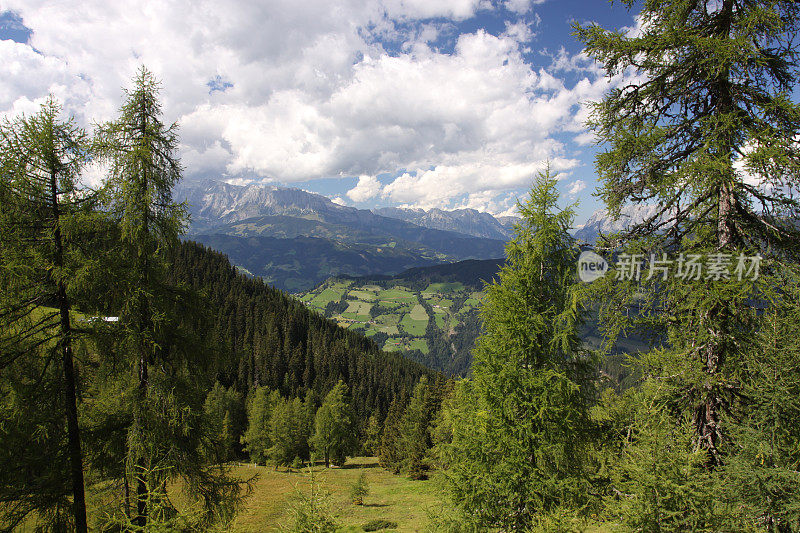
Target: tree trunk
[[144, 320], [71, 408], [707, 411]]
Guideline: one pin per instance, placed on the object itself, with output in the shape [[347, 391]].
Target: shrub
[[376, 525]]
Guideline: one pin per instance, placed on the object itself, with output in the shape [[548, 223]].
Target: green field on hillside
[[397, 316]]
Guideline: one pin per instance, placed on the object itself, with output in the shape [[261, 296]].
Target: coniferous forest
[[139, 371]]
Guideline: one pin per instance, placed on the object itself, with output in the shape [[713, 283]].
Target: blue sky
[[449, 103]]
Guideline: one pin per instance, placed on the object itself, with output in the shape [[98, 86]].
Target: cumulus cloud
[[576, 186], [367, 187], [521, 6], [298, 91]]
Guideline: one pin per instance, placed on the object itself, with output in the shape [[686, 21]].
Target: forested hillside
[[275, 341]]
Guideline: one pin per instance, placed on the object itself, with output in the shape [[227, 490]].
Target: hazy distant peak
[[464, 220], [602, 223]]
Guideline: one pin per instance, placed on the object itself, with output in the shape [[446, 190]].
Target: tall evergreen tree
[[706, 132], [171, 361], [389, 451], [289, 432], [257, 439], [43, 221], [415, 425], [335, 427], [517, 448]]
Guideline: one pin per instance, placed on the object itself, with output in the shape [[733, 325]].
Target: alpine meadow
[[457, 356]]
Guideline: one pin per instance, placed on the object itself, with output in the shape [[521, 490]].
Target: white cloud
[[521, 6], [368, 187], [314, 94], [575, 187]]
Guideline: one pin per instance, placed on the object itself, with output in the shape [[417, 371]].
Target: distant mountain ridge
[[602, 223], [468, 221], [296, 239]]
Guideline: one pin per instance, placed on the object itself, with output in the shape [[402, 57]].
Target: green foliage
[[415, 439], [706, 133], [267, 338], [377, 525], [290, 429], [335, 427], [161, 336], [372, 436], [359, 489], [659, 481], [257, 439], [311, 512], [519, 434], [45, 222], [225, 414], [761, 482], [389, 453]]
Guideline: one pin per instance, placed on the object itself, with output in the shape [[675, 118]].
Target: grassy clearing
[[444, 287], [414, 327], [328, 295], [358, 307], [419, 344], [418, 313], [397, 294], [367, 296]]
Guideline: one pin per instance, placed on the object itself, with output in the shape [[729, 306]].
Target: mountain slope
[[273, 340], [299, 263], [432, 314]]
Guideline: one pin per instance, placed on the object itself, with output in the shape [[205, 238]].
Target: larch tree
[[518, 442], [172, 363], [335, 427], [44, 220], [705, 130]]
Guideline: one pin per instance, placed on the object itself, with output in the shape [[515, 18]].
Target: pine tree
[[44, 223], [289, 432], [518, 445], [372, 435], [224, 410], [335, 427], [761, 482], [706, 133]]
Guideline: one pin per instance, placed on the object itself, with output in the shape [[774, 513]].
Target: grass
[[358, 307], [393, 498], [444, 287], [418, 313], [414, 327], [328, 295]]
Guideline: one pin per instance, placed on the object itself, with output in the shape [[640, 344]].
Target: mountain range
[[296, 239], [602, 223]]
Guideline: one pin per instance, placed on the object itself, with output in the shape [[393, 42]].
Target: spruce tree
[[44, 224], [415, 425], [257, 439], [389, 451], [517, 447], [761, 483]]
